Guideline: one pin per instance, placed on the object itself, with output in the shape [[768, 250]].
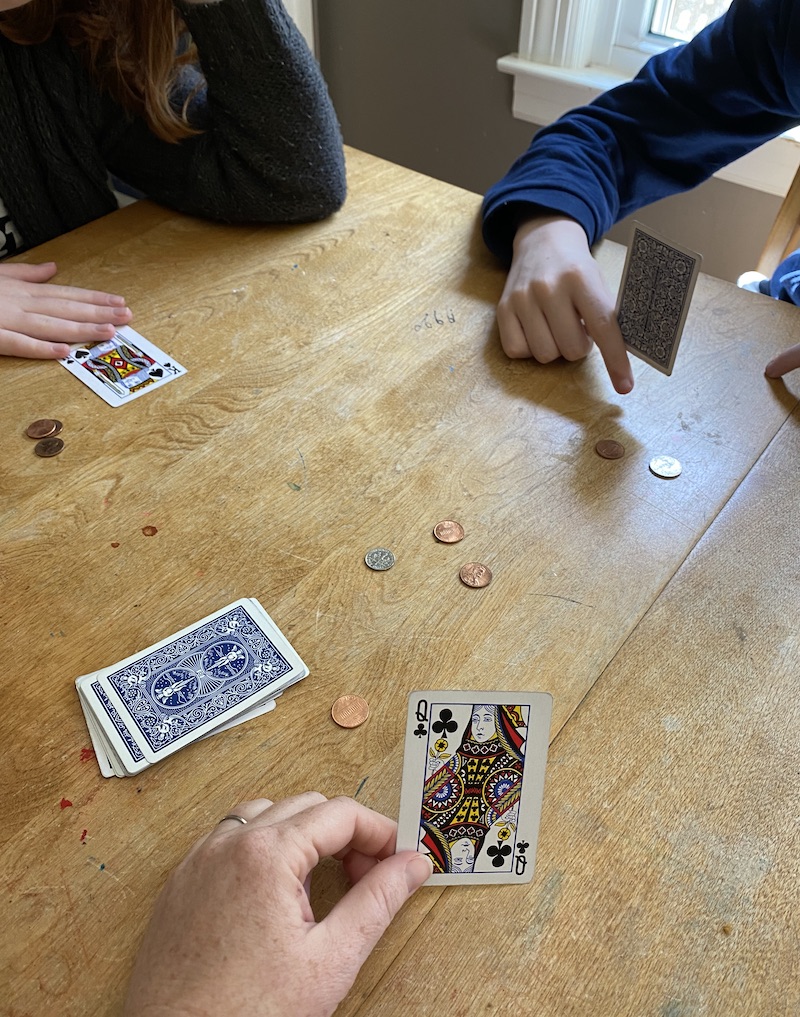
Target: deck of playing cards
[[473, 781], [654, 297], [219, 672]]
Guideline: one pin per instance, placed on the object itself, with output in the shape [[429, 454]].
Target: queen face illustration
[[474, 778], [462, 855], [483, 723]]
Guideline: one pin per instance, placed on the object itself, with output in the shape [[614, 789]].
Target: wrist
[[549, 223]]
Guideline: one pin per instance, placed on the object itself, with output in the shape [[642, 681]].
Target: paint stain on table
[[149, 531]]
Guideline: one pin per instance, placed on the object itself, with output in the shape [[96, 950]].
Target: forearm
[[690, 111], [270, 149]]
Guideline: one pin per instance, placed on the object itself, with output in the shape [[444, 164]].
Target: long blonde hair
[[130, 48]]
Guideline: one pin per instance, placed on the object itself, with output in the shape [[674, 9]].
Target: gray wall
[[408, 90]]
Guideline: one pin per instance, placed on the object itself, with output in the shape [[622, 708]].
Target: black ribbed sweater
[[271, 150]]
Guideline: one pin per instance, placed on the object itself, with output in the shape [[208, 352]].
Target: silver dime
[[379, 559], [666, 467]]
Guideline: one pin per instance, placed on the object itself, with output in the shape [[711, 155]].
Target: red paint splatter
[[149, 531], [65, 803], [115, 543], [202, 572], [87, 754], [83, 836]]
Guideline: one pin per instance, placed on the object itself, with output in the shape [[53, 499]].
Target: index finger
[[75, 293], [335, 827], [783, 363], [602, 326]]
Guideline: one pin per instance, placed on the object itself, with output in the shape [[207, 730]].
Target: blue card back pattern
[[195, 678]]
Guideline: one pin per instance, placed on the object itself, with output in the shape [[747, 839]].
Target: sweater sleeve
[[690, 110], [271, 149]]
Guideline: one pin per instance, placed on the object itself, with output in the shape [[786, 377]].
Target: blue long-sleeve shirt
[[689, 111]]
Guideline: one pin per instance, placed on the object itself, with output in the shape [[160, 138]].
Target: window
[[571, 50], [683, 19], [639, 28]]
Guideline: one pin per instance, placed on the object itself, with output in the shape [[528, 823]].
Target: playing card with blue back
[[159, 700]]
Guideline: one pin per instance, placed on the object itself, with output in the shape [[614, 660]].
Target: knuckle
[[576, 351]]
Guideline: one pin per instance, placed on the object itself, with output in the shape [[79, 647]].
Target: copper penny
[[48, 447], [475, 575], [350, 711], [44, 428], [609, 449], [448, 531]]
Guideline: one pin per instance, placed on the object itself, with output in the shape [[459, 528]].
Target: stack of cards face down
[[226, 669]]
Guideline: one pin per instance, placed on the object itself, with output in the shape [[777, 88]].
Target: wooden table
[[346, 389]]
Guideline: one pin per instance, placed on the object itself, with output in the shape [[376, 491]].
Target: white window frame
[[302, 13], [572, 50]]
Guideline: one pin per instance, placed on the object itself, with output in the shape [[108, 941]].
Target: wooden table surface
[[346, 389]]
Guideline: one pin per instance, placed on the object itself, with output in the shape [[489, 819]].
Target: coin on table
[[379, 559], [475, 574], [44, 428], [666, 467], [448, 531], [350, 711], [48, 447], [610, 449]]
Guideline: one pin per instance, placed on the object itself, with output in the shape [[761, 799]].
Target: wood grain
[[323, 414], [669, 851]]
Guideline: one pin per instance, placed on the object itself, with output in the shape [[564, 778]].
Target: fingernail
[[103, 329], [625, 386], [122, 312], [418, 870], [116, 300]]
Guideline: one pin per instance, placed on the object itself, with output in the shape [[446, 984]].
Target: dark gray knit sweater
[[271, 151]]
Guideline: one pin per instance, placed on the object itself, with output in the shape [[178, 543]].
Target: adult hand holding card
[[473, 780]]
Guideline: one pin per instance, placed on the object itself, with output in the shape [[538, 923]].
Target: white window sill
[[543, 93]]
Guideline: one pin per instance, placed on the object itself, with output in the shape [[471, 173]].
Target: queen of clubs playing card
[[471, 796]]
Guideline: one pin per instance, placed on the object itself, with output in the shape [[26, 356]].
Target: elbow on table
[[320, 188], [302, 197], [321, 199]]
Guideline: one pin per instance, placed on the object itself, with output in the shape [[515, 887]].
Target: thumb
[[362, 916]]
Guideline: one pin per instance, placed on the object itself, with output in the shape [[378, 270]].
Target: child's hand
[[39, 320]]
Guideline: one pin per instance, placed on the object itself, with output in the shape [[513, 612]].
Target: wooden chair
[[784, 237]]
